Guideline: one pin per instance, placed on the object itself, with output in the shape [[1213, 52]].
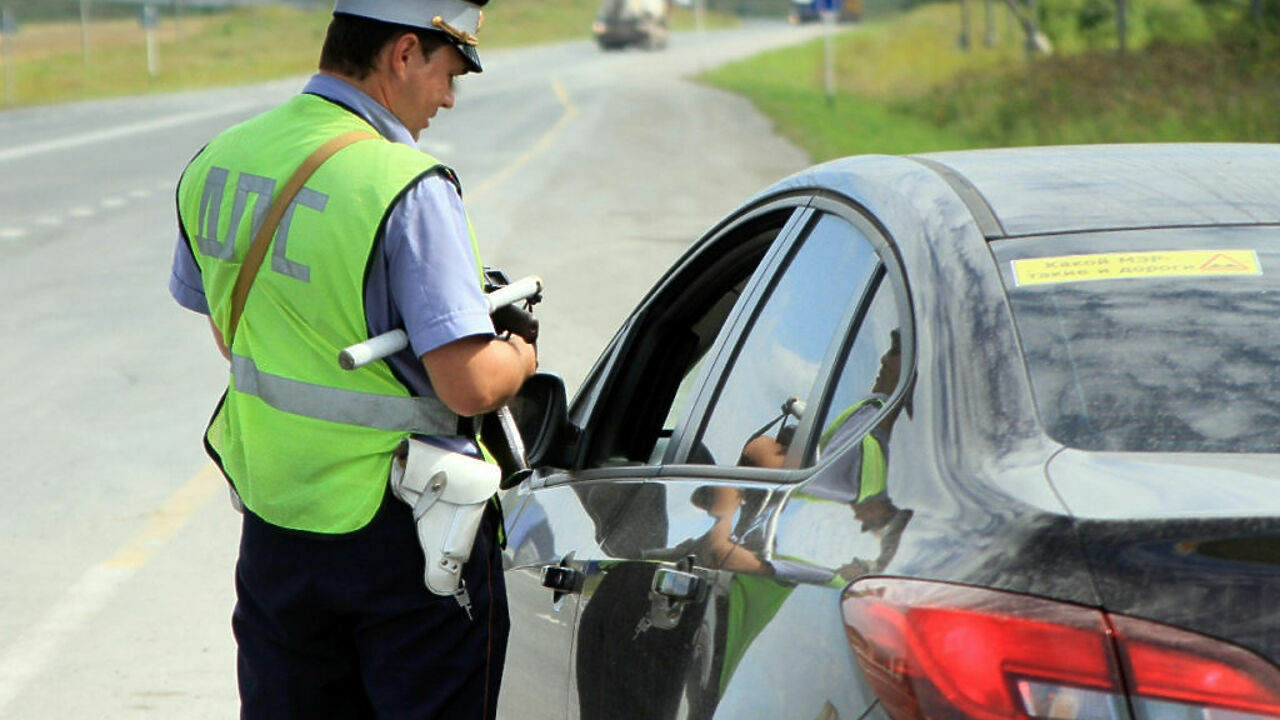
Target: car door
[[690, 580], [560, 522], [550, 532]]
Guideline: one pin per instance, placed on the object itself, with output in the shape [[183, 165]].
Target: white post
[[151, 52], [149, 18], [829, 21], [84, 31], [6, 24], [1122, 26], [989, 24], [697, 28]]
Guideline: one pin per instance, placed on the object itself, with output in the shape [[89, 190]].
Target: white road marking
[[29, 655], [110, 203], [120, 131]]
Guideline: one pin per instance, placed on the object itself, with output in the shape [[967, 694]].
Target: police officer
[[332, 617]]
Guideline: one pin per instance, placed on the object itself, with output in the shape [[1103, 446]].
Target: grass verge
[[904, 85], [47, 62]]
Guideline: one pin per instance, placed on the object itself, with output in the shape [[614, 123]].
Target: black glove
[[517, 321]]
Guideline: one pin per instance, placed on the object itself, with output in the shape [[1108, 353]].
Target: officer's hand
[[517, 321]]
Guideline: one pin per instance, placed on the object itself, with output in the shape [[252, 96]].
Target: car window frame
[[600, 392], [889, 270], [729, 342], [704, 406]]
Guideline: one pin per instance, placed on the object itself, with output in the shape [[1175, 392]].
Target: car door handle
[[676, 584], [560, 578]]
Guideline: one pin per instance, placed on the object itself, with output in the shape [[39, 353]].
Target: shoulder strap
[[258, 248]]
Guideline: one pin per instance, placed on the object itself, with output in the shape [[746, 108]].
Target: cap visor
[[470, 55]]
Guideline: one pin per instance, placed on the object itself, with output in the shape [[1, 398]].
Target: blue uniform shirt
[[425, 280]]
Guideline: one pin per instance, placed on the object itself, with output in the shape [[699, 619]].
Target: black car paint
[[969, 466]]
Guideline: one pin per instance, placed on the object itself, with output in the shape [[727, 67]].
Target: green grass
[[241, 46], [876, 65], [199, 51], [904, 85], [788, 85], [1165, 93]]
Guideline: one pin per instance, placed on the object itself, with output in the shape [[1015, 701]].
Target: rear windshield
[[1152, 340]]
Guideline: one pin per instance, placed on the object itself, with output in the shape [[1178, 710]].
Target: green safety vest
[[306, 444]]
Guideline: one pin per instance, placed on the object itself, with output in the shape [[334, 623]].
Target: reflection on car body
[[986, 434]]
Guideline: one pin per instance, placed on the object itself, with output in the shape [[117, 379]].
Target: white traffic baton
[[390, 343]]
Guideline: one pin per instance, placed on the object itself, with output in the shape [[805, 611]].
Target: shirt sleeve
[[434, 280], [185, 284]]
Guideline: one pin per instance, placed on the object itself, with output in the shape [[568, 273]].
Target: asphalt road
[[592, 170]]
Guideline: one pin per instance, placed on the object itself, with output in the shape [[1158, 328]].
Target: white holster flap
[[448, 492]]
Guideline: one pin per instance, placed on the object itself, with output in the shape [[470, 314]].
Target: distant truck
[[632, 23], [804, 11]]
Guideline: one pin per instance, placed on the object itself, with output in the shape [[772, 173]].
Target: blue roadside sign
[[149, 17]]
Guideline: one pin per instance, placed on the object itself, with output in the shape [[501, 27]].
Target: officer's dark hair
[[352, 43]]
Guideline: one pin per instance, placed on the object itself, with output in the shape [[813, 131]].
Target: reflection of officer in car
[[694, 660], [757, 591], [859, 475], [886, 521], [771, 451], [722, 547]]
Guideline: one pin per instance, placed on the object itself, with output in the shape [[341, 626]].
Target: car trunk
[[1190, 541]]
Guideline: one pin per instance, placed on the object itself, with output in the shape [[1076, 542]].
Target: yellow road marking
[[570, 112], [169, 518], [28, 655]]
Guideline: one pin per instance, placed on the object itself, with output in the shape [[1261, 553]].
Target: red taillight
[[940, 651], [1168, 664]]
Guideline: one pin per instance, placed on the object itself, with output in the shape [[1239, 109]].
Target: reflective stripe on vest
[[422, 415]]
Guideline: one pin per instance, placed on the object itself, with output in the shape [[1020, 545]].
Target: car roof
[[1061, 189]]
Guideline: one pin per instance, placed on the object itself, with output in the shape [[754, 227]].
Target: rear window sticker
[[1121, 265]]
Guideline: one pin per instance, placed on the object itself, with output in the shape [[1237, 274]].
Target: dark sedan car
[[986, 435]]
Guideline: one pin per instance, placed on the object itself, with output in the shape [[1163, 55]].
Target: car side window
[[707, 327], [773, 373], [869, 374], [649, 392]]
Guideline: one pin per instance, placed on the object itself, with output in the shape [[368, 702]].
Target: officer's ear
[[398, 53]]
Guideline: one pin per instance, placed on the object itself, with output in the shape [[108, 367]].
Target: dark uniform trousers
[[342, 626]]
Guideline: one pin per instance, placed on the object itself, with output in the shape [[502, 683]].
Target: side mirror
[[542, 415]]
